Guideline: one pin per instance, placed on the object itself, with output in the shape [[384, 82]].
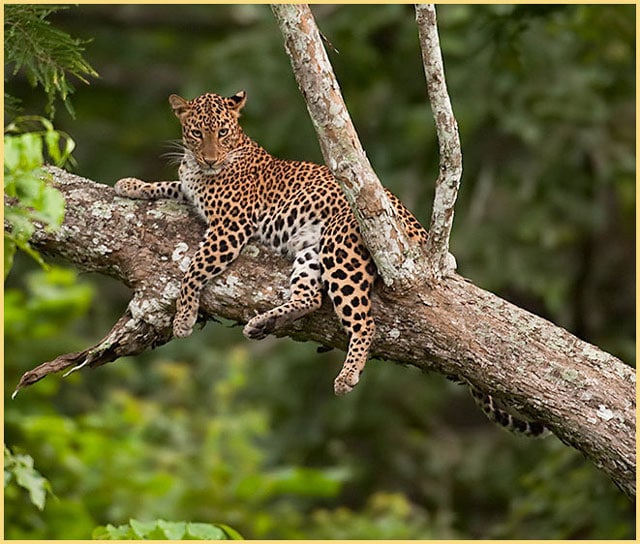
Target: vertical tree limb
[[450, 170], [400, 260]]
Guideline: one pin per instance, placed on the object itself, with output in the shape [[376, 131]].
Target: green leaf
[[28, 478], [11, 155], [21, 226], [20, 467], [205, 531], [231, 532], [109, 532], [10, 249], [52, 139], [142, 528], [30, 150], [52, 207], [173, 530], [165, 530], [26, 181]]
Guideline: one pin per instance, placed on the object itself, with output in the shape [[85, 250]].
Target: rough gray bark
[[585, 396], [401, 261]]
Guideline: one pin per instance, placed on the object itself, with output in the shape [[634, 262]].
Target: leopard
[[296, 208]]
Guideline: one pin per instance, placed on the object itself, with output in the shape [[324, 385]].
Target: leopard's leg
[[349, 273], [135, 188], [215, 253], [306, 296]]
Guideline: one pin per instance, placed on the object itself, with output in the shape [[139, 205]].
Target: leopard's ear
[[236, 102], [180, 106]]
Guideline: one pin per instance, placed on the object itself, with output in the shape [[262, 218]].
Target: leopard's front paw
[[183, 323], [345, 382], [129, 187]]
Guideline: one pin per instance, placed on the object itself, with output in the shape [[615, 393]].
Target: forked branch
[[399, 260]]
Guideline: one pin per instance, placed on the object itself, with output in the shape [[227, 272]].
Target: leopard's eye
[[196, 133], [223, 132]]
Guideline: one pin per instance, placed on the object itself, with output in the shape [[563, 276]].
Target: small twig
[[329, 44]]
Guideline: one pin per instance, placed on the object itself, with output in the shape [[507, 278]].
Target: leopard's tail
[[502, 417], [515, 424]]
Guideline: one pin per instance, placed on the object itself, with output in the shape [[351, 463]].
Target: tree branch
[[400, 260], [448, 140], [585, 396]]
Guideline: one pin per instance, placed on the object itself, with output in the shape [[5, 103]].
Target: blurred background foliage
[[216, 429]]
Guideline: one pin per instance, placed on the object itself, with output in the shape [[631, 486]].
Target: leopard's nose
[[210, 161]]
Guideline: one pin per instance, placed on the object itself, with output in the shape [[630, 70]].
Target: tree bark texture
[[585, 396]]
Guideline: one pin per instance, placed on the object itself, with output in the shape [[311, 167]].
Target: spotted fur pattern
[[506, 419], [297, 208]]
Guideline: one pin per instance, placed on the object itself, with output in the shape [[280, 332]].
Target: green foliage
[[28, 143], [165, 530], [36, 317], [46, 54], [51, 300], [160, 459], [386, 516], [545, 508], [19, 471]]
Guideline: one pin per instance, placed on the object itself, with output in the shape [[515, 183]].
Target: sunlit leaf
[[21, 467], [231, 532], [142, 528], [165, 530]]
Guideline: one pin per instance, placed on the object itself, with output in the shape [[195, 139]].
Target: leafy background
[[218, 430]]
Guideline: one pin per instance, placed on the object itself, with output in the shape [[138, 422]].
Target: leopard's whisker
[[176, 152]]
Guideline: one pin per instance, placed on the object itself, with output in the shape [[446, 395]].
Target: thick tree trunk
[[585, 396]]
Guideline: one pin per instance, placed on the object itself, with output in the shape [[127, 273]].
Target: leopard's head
[[210, 128]]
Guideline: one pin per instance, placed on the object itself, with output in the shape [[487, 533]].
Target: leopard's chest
[[217, 196], [192, 188]]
